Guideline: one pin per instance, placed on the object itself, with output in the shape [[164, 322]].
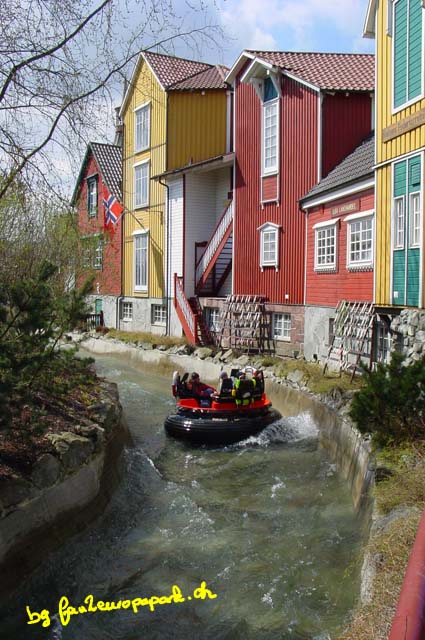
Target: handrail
[[215, 240], [182, 304]]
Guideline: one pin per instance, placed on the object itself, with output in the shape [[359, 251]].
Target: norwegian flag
[[113, 211]]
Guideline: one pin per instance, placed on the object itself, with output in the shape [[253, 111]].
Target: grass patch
[[391, 550], [406, 487], [407, 484], [143, 336], [315, 380]]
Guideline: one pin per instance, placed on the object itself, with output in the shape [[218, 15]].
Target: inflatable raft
[[240, 410]]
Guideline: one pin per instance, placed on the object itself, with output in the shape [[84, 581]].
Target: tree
[[391, 406], [60, 65]]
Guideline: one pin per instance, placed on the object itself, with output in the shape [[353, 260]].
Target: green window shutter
[[415, 49], [415, 174], [400, 52], [400, 179]]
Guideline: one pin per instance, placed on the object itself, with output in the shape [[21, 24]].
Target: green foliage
[[391, 406], [33, 318]]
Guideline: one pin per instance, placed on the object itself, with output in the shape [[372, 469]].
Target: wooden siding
[[401, 143], [410, 140], [200, 220], [107, 279], [298, 173], [326, 289], [347, 120], [196, 126], [150, 218], [176, 212]]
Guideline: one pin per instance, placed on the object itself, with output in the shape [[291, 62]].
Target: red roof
[[212, 78], [329, 71], [170, 70]]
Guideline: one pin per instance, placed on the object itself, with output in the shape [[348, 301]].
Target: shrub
[[391, 406]]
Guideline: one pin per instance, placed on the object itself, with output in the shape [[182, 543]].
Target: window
[[98, 254], [92, 251], [359, 241], [399, 223], [331, 331], [269, 245], [282, 326], [383, 340], [270, 136], [325, 246], [213, 318], [140, 240], [159, 314], [92, 196], [415, 220], [407, 52], [141, 185], [127, 311], [142, 127]]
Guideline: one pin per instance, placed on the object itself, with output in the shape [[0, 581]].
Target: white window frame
[[266, 171], [356, 218], [127, 311], [415, 216], [159, 319], [138, 204], [269, 228], [213, 318], [142, 132], [318, 228], [143, 287], [92, 198], [98, 254], [285, 322], [408, 103], [399, 229]]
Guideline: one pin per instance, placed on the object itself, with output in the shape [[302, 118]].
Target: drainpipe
[[167, 259]]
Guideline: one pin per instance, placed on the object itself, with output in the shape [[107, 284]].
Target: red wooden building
[[297, 115], [100, 181], [339, 245]]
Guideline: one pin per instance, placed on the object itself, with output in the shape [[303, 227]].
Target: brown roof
[[329, 71], [170, 70], [109, 161], [212, 78]]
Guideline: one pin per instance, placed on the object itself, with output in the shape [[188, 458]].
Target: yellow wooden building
[[174, 113], [398, 29]]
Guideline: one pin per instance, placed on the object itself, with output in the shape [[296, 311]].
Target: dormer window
[[270, 92]]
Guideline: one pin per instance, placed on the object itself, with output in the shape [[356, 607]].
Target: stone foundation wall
[[410, 334]]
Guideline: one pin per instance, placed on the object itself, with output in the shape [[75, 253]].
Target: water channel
[[268, 524]]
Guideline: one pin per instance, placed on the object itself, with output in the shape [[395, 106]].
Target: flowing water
[[267, 524]]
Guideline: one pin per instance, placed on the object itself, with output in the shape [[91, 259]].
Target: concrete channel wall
[[64, 494]]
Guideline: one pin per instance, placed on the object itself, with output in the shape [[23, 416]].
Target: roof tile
[[359, 164], [109, 161], [212, 78], [328, 71], [169, 69]]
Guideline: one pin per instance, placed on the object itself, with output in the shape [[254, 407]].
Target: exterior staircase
[[215, 263], [190, 315]]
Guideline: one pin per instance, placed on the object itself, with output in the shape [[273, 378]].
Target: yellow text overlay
[[90, 605]]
